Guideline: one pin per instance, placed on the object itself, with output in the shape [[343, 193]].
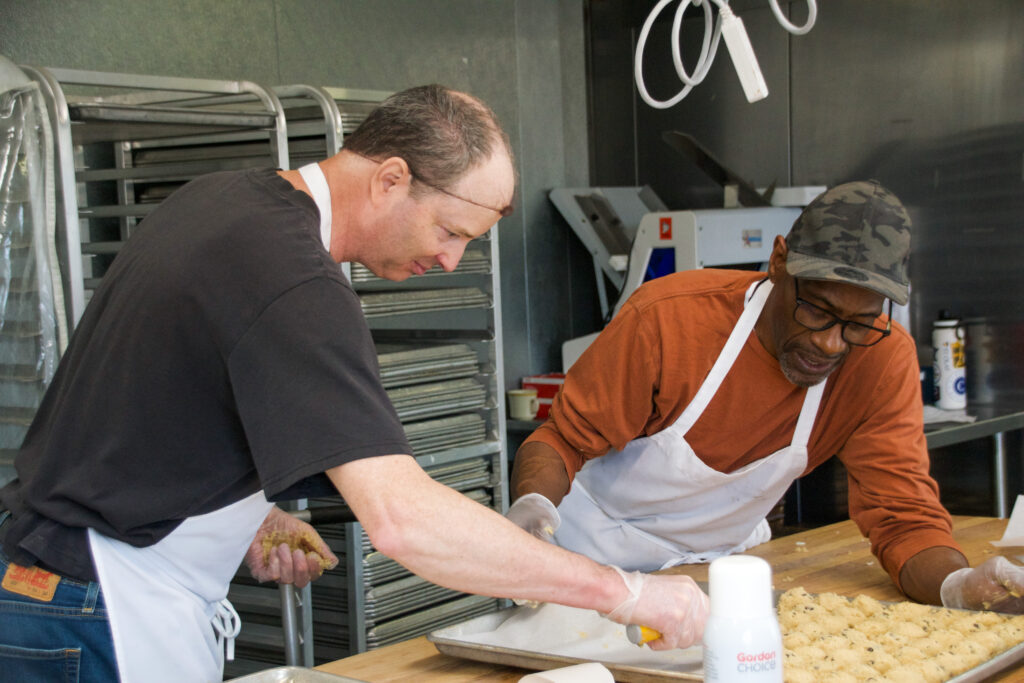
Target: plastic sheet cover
[[32, 328]]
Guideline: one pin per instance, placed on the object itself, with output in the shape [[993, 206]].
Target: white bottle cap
[[740, 587]]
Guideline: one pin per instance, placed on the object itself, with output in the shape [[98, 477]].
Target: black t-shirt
[[224, 352]]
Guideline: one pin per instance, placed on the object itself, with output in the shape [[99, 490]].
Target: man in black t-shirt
[[225, 361]]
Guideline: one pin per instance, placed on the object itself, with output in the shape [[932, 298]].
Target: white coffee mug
[[523, 404]]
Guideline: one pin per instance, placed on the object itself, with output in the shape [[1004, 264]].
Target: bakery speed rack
[[124, 142]]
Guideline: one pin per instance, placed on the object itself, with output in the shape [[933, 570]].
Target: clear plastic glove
[[536, 515], [671, 604], [997, 585], [288, 550]]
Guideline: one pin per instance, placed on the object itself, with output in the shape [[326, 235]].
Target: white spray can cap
[[740, 587]]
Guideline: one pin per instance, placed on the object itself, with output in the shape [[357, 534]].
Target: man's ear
[[391, 175], [777, 261]]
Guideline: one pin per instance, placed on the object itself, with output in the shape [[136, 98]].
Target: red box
[[547, 386]]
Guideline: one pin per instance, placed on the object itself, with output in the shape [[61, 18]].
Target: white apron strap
[[317, 183], [754, 300], [228, 625], [808, 412]]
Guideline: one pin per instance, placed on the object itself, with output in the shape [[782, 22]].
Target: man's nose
[[450, 257], [830, 341]]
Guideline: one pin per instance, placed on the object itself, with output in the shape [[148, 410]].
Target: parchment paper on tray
[[555, 634], [1014, 534]]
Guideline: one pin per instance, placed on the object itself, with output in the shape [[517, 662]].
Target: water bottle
[[950, 363], [742, 639]]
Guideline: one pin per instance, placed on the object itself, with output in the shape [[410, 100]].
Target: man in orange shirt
[[711, 391]]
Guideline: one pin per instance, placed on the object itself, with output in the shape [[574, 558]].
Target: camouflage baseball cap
[[857, 233]]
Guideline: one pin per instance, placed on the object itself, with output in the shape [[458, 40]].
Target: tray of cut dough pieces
[[824, 635]]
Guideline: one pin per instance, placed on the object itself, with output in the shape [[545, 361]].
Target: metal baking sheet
[[554, 636], [422, 301], [294, 674], [405, 364], [473, 262], [1000, 662], [576, 636]]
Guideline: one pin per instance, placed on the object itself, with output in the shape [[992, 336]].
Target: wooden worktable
[[832, 558]]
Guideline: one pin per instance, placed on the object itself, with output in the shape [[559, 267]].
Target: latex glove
[[997, 585], [536, 515], [288, 550], [673, 604]]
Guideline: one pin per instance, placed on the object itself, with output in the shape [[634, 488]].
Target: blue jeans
[[65, 639]]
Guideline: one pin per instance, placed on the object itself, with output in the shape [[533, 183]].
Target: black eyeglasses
[[817, 319], [503, 212]]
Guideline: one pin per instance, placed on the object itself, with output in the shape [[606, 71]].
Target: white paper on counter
[[591, 672], [582, 634], [1014, 534]]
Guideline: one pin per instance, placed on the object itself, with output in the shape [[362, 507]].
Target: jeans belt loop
[[91, 595]]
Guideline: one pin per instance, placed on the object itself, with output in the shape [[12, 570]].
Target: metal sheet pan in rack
[[401, 365], [602, 642], [422, 401], [473, 262], [423, 301], [431, 436], [417, 623]]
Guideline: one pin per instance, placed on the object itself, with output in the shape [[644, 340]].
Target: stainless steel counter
[[992, 421]]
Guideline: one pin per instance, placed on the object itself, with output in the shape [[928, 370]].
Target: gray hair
[[440, 133]]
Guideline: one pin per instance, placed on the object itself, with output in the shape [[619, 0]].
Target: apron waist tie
[[227, 624]]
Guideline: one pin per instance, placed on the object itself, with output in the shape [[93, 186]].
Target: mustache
[[812, 354], [822, 360]]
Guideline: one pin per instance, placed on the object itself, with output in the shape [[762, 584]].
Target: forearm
[[450, 540], [922, 575], [539, 469]]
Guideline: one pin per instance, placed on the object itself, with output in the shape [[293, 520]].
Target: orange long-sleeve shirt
[[644, 369]]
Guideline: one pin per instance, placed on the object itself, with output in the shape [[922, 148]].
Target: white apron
[[167, 602], [655, 504]]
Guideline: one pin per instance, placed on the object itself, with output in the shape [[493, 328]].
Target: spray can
[[742, 639], [950, 363]]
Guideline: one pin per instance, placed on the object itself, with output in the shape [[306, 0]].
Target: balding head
[[440, 133]]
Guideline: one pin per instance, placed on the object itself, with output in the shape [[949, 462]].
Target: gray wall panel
[[392, 44], [751, 139], [548, 240], [866, 82], [610, 54], [230, 39], [524, 57]]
